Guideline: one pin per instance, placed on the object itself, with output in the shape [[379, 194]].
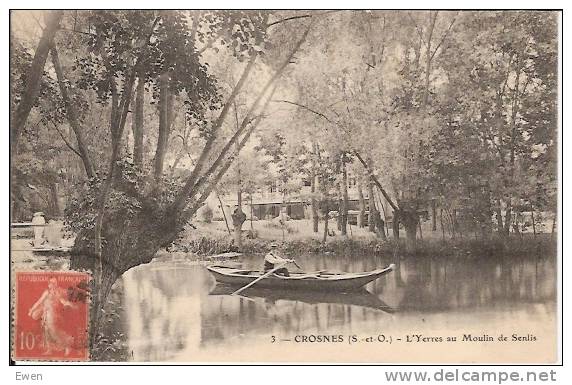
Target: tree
[[127, 212], [31, 83], [509, 63]]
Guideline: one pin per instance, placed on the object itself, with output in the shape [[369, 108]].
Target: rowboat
[[328, 281], [360, 297]]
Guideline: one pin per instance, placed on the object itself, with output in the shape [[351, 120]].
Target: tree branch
[[68, 144], [301, 17], [305, 108], [445, 35], [210, 186], [248, 118], [372, 176], [376, 181], [72, 115], [287, 19], [192, 179], [416, 28]]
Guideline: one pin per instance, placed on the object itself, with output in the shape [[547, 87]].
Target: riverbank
[[111, 341], [213, 238]]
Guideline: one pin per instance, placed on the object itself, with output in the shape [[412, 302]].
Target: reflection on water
[[174, 311]]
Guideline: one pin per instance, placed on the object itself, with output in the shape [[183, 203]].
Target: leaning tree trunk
[[33, 77]]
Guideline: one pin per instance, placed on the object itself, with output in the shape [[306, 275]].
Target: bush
[[251, 234], [279, 224], [206, 214]]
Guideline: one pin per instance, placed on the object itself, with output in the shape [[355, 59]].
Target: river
[[173, 311]]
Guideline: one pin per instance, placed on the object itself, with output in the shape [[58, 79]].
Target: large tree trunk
[[138, 124], [361, 215], [379, 225], [410, 220], [33, 78], [395, 224], [345, 198], [129, 242]]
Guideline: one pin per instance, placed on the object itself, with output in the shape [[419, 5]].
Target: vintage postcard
[[280, 186]]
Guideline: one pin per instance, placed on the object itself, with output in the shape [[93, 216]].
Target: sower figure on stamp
[[48, 308], [273, 259]]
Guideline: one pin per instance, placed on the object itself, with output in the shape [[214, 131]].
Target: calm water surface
[[174, 311]]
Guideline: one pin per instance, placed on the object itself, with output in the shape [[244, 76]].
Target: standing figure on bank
[[38, 221]]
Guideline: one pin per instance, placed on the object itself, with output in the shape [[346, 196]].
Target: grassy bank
[[213, 238]]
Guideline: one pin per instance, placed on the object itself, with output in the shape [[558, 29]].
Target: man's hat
[[274, 245]]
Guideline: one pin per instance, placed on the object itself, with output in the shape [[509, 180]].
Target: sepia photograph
[[284, 186]]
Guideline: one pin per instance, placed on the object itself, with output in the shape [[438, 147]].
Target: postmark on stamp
[[51, 316]]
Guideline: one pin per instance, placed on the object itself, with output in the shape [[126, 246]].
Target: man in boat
[[273, 259]]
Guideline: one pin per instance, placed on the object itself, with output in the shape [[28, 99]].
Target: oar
[[259, 278], [296, 263]]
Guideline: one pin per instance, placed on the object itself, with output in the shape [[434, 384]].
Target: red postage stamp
[[51, 316]]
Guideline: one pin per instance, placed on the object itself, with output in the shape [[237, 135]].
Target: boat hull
[[342, 282], [360, 297]]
